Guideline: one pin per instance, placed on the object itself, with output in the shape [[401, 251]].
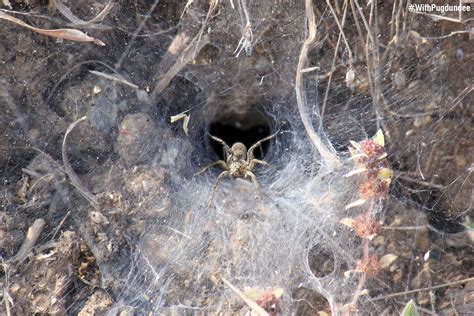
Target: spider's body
[[240, 162], [236, 160]]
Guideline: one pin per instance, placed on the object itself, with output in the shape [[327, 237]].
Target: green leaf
[[410, 309]]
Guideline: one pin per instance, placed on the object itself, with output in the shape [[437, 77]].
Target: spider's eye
[[237, 149]]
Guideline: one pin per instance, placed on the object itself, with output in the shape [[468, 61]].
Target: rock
[[103, 115], [137, 140]]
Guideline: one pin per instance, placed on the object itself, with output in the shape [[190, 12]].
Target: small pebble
[[399, 79], [459, 54]]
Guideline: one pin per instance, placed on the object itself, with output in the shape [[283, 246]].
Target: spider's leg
[[260, 149], [257, 185], [220, 141], [252, 148], [253, 162], [214, 187], [215, 163]]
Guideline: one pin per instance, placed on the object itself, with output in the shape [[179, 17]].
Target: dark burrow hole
[[310, 302], [440, 221], [321, 261], [432, 202], [437, 210], [247, 128]]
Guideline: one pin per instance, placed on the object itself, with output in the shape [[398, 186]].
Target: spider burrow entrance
[[247, 128]]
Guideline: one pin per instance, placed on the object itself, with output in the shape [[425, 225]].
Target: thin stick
[[118, 64], [392, 20], [177, 232], [429, 288], [75, 181], [179, 64], [31, 237], [6, 299], [404, 227], [116, 78], [56, 230], [212, 8], [254, 306], [70, 70], [340, 25], [448, 35], [333, 66], [329, 158], [421, 182]]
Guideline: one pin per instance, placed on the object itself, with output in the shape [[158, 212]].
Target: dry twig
[[246, 40], [31, 237], [333, 66], [429, 288], [117, 78], [187, 56], [254, 306], [140, 27]]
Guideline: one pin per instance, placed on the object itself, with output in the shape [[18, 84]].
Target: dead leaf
[[68, 34], [347, 221], [387, 260], [182, 116], [356, 203], [354, 172], [7, 3]]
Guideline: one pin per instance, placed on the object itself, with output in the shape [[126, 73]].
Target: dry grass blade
[[77, 22], [68, 34], [116, 78], [8, 300], [254, 306], [329, 158], [75, 181]]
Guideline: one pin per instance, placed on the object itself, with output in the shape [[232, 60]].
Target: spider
[[240, 162]]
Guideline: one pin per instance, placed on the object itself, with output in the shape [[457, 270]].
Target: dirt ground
[[89, 192]]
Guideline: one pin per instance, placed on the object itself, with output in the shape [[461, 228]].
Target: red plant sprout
[[372, 163], [370, 266], [365, 226]]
